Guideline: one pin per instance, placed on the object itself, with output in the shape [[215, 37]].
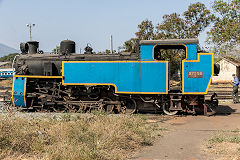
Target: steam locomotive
[[116, 83]]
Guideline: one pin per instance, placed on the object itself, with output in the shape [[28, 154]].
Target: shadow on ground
[[221, 110], [226, 110]]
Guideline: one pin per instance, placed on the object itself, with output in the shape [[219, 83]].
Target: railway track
[[224, 92], [5, 94]]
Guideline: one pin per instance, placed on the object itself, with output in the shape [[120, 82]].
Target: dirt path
[[187, 135]]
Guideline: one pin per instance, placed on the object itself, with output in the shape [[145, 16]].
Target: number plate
[[195, 74]]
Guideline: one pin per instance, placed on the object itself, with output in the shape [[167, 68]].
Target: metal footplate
[[175, 103]]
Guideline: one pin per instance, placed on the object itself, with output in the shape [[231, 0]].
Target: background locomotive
[[122, 83], [6, 73]]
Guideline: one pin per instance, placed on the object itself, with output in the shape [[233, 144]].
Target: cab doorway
[[174, 54]]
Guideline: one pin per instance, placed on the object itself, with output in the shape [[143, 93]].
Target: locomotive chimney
[[33, 47], [67, 47]]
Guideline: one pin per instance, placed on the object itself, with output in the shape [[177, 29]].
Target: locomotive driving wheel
[[59, 109], [166, 109], [129, 106]]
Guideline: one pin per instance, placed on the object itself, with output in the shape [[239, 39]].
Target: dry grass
[[224, 145], [97, 136]]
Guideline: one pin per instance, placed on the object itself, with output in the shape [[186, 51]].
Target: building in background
[[228, 66]]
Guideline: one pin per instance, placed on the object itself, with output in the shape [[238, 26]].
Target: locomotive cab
[[178, 53], [189, 73]]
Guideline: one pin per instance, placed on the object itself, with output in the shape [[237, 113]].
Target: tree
[[173, 26], [197, 18], [145, 30], [107, 51], [189, 25], [8, 58], [130, 45], [225, 33], [56, 50]]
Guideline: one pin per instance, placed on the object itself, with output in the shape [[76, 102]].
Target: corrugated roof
[[170, 41]]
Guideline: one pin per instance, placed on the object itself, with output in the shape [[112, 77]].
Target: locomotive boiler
[[115, 83]]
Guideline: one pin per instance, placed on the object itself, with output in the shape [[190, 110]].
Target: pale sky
[[83, 21]]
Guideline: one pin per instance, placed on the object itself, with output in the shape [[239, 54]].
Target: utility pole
[[30, 29], [111, 44]]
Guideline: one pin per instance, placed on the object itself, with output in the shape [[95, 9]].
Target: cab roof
[[169, 41]]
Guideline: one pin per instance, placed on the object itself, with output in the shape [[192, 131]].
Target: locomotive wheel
[[166, 110], [41, 110], [59, 109], [130, 106]]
